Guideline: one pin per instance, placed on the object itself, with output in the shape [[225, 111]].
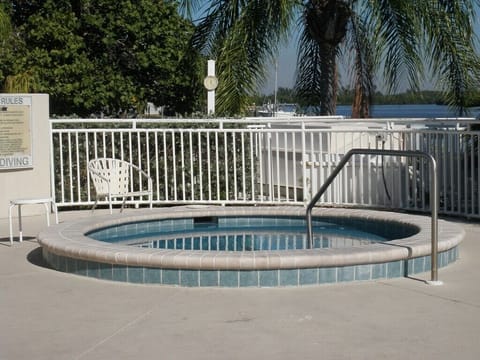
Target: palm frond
[[396, 35], [308, 73], [243, 36], [449, 29], [316, 75], [398, 28], [365, 62]]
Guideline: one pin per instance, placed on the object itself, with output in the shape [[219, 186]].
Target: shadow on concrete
[[5, 241], [416, 279], [35, 257]]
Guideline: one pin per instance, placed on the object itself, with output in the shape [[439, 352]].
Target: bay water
[[409, 111]]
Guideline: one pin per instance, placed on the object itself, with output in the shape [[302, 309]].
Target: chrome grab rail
[[433, 199]]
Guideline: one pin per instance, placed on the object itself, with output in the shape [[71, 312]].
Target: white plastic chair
[[112, 179]]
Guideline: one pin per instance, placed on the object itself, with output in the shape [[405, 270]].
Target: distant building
[[151, 109]]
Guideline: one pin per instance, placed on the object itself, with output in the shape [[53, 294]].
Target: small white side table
[[19, 203]]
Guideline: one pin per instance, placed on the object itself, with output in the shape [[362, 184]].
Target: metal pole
[[319, 194], [275, 91], [434, 208], [433, 198]]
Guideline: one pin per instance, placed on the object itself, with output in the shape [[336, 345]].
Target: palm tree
[[407, 39]]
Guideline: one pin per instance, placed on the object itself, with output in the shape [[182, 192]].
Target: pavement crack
[[436, 296], [238, 320], [241, 318], [104, 340]]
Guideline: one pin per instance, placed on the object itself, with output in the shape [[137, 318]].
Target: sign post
[[211, 83]]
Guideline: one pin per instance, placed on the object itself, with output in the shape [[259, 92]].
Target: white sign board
[[15, 132]]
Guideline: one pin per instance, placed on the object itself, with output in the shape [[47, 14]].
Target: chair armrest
[[143, 173]]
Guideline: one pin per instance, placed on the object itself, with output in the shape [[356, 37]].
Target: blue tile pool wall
[[387, 229], [125, 232], [246, 278], [132, 230]]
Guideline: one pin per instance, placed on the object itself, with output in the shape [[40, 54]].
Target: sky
[[287, 59], [286, 64]]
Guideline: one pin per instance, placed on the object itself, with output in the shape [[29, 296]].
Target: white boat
[[281, 110]]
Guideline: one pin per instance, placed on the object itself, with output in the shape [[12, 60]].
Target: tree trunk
[[361, 104], [327, 21], [328, 80]]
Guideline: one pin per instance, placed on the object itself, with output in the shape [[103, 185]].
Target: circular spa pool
[[247, 246], [246, 233]]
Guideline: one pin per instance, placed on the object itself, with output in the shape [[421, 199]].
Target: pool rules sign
[[15, 132]]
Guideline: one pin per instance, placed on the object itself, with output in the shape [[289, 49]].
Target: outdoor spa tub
[[259, 246]]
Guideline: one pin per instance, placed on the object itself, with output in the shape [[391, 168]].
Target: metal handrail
[[433, 197]]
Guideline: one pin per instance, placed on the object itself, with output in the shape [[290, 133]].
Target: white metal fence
[[272, 161]]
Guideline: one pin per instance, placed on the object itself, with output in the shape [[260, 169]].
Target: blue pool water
[[247, 233]]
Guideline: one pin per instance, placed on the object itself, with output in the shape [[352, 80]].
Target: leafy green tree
[[21, 82], [4, 23], [109, 56], [396, 36]]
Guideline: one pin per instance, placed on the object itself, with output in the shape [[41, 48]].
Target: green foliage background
[[106, 57]]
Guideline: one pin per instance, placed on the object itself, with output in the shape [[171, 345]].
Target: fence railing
[[272, 161]]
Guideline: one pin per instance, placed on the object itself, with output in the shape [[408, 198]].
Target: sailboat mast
[[275, 91]]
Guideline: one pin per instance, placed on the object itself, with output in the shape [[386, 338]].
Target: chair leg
[[45, 205], [94, 205], [110, 203], [10, 223], [20, 229], [55, 210]]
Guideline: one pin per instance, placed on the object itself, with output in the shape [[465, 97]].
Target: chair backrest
[[113, 173]]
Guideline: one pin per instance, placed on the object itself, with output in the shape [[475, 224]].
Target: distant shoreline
[[409, 111]]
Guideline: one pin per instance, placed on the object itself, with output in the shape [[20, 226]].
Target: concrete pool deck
[[46, 314]]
